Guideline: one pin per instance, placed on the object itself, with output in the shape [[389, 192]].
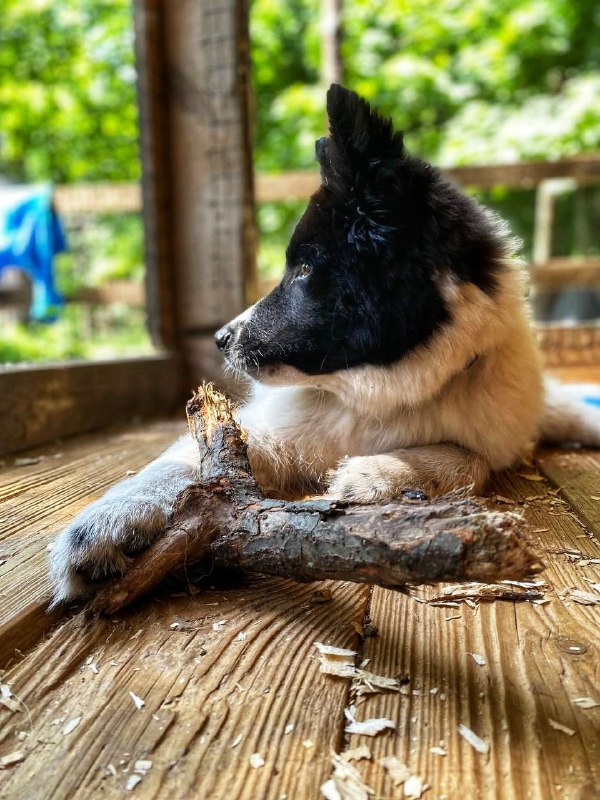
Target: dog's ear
[[357, 132], [325, 152]]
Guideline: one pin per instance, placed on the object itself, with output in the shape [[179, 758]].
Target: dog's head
[[365, 262]]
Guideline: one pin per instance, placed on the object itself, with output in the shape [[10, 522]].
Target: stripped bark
[[225, 518]]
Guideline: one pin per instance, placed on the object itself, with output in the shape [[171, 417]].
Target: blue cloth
[[592, 401], [31, 235]]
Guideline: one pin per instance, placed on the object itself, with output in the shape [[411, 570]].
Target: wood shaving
[[367, 727], [132, 782], [475, 741], [485, 591], [479, 660], [414, 787], [530, 476], [339, 661], [357, 753], [71, 725], [585, 702], [139, 703], [137, 634], [558, 726], [397, 771], [346, 782], [584, 598], [256, 761], [26, 462], [9, 703], [438, 751], [237, 740], [11, 759], [329, 650]]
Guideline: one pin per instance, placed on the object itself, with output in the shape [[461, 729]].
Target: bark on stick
[[225, 518]]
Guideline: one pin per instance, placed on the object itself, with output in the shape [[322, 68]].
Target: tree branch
[[225, 518]]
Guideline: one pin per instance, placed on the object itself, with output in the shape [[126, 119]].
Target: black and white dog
[[395, 353]]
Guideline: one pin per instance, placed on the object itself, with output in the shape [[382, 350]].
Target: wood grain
[[204, 685], [38, 499], [577, 474], [203, 688], [529, 678], [40, 403]]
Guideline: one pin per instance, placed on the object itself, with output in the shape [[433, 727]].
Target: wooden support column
[[193, 59]]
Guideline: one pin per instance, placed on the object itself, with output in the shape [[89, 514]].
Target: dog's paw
[[371, 479], [101, 541]]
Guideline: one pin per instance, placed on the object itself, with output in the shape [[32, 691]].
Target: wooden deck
[[232, 671]]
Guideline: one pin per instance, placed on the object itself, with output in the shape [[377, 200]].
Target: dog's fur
[[395, 354]]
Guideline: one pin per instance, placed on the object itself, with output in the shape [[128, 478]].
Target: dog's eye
[[303, 271]]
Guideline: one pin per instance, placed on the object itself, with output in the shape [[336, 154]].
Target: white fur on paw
[[366, 479], [100, 542]]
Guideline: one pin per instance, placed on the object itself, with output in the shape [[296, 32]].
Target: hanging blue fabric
[[31, 235]]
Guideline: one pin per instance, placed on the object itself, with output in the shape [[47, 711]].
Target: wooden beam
[[566, 346], [300, 184], [98, 198], [565, 272], [38, 404], [160, 276], [206, 57], [193, 60]]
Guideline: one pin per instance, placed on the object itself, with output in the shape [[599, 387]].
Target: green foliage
[[479, 82], [79, 333], [67, 91], [435, 67]]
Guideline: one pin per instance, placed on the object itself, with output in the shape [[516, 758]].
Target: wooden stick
[[226, 518]]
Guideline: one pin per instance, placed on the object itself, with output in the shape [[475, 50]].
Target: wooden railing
[[118, 198], [548, 178]]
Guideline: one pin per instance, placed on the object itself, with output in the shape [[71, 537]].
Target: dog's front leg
[[434, 469], [102, 538]]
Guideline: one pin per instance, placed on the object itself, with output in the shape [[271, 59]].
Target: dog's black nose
[[223, 336]]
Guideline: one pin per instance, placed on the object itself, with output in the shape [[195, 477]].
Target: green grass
[[120, 332]]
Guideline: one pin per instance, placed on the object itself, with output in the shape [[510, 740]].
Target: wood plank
[[577, 474], [38, 499], [76, 199], [40, 403], [212, 232], [300, 184], [569, 346], [576, 374], [531, 675], [212, 697], [151, 85], [557, 273]]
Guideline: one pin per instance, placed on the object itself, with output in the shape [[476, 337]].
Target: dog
[[395, 355]]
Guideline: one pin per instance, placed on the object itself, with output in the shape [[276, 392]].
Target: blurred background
[[490, 82]]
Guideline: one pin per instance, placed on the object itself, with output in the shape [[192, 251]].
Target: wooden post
[[332, 68], [193, 62]]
